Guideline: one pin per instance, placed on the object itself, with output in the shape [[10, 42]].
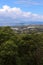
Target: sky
[[21, 11]]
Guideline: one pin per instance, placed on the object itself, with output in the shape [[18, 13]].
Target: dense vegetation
[[20, 49]]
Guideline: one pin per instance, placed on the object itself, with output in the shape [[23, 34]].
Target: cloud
[[13, 15]]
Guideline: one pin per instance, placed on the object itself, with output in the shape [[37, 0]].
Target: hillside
[[20, 49]]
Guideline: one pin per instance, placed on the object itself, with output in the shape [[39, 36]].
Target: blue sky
[[20, 11]]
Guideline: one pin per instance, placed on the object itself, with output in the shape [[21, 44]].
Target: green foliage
[[20, 49]]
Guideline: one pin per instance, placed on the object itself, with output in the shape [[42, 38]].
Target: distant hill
[[22, 23]]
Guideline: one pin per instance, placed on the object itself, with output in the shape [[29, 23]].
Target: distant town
[[28, 29]]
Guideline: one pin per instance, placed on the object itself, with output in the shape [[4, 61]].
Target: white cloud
[[15, 15]]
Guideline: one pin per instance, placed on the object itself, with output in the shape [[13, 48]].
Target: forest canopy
[[20, 49]]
